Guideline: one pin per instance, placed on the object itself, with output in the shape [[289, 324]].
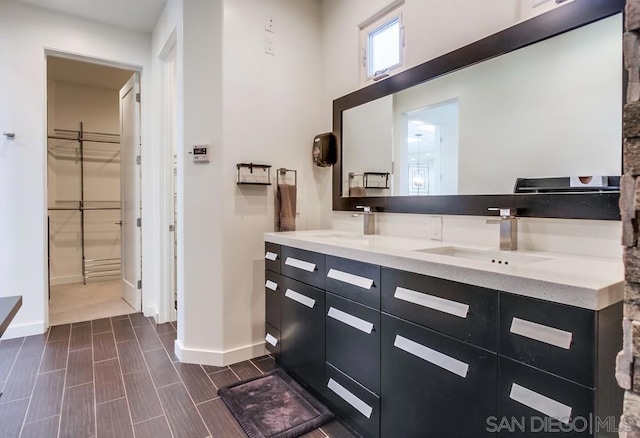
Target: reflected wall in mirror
[[551, 109]]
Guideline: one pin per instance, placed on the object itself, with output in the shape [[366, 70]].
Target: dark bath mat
[[274, 406]]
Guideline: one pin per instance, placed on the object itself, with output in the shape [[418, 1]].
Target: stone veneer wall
[[628, 361]]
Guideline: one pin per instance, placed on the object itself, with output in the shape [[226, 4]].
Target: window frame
[[381, 20]]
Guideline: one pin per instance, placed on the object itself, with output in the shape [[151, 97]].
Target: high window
[[382, 43]]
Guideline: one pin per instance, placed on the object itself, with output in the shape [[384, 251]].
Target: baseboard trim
[[218, 358], [19, 331], [71, 279]]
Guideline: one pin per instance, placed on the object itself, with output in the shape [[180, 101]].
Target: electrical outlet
[[269, 45], [269, 25], [435, 228]]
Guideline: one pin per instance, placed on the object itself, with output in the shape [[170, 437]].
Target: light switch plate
[[269, 44]]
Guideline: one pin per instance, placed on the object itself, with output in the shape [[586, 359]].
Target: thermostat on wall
[[201, 153]]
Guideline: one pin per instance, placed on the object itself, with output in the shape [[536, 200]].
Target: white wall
[[25, 34], [250, 107], [434, 28], [98, 109]]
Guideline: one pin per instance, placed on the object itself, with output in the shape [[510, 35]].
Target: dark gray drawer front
[[354, 280], [272, 256], [553, 337], [273, 298], [272, 339], [353, 340], [359, 407], [434, 385], [461, 310], [305, 266], [302, 331], [534, 397]]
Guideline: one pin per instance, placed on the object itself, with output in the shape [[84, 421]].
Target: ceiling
[[140, 15], [83, 73]]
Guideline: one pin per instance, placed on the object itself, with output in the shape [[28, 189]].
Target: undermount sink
[[496, 257]]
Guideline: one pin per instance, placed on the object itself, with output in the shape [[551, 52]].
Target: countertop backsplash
[[568, 236]]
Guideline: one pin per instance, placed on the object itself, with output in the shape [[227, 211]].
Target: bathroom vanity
[[415, 338]]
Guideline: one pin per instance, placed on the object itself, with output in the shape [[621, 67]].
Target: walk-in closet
[[84, 193]]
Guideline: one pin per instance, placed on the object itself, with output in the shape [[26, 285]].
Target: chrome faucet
[[508, 228], [369, 220]]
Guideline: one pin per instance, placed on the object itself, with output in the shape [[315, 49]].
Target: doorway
[[89, 180]]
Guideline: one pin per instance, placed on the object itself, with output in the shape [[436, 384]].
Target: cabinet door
[[553, 337], [272, 341], [302, 333], [354, 280], [273, 298], [356, 405], [464, 311], [272, 256], [304, 266], [533, 403], [434, 385], [353, 340]]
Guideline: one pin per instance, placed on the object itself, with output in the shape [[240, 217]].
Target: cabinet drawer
[[434, 385], [357, 281], [461, 310], [305, 266], [272, 256], [273, 298], [272, 340], [541, 403], [553, 337], [353, 340], [302, 333], [359, 407]]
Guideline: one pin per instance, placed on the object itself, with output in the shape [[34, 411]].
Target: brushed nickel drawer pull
[[350, 398], [271, 285], [302, 299], [542, 333], [432, 356], [300, 264], [353, 321], [271, 256], [345, 277], [436, 303], [540, 403]]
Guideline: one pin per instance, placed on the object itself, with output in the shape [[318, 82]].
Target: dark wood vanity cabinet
[[395, 353]]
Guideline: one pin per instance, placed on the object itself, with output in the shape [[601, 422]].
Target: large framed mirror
[[530, 118]]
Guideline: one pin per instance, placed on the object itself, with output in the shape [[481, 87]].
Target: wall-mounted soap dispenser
[[325, 150]]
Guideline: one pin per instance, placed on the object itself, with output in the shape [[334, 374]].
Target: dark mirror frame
[[597, 205]]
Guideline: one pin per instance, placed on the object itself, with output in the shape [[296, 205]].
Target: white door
[[130, 191]]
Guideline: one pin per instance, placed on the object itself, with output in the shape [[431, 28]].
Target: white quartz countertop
[[588, 282]]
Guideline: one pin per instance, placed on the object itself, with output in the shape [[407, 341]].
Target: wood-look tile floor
[[117, 377]]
